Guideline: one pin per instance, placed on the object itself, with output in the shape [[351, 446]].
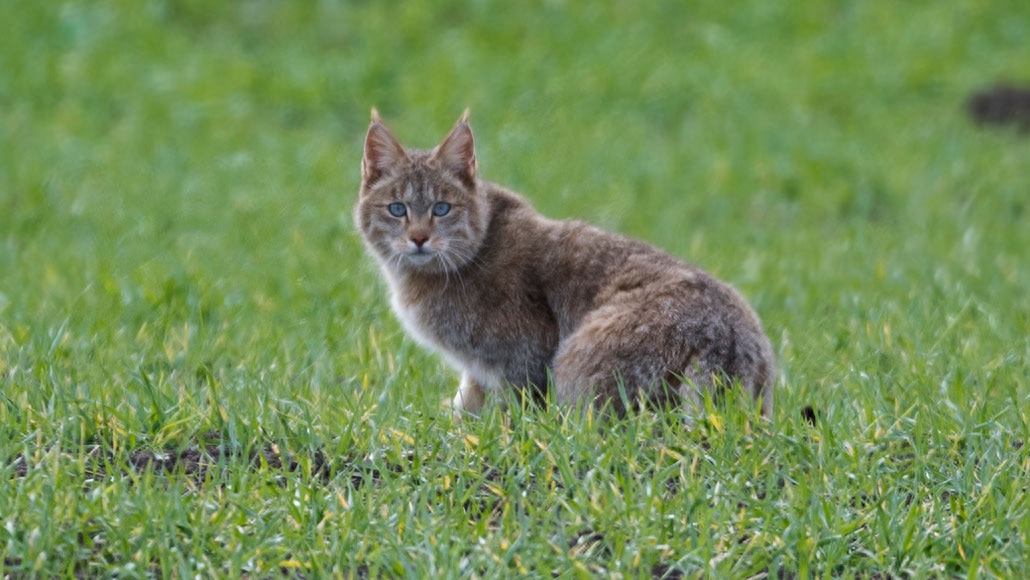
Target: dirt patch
[[196, 462], [21, 468], [201, 464], [1001, 105]]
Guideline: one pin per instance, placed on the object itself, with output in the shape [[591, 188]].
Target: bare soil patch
[[1001, 105]]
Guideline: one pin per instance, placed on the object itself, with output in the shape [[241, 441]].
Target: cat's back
[[582, 266], [565, 248]]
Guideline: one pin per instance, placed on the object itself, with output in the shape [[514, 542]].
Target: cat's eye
[[441, 208], [397, 209]]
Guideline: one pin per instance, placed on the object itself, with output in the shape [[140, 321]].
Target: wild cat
[[516, 300]]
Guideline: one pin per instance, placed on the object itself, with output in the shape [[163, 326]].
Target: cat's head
[[417, 209]]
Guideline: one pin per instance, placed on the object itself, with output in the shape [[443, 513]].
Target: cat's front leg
[[470, 397]]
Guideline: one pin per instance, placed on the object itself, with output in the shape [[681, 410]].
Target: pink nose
[[419, 239]]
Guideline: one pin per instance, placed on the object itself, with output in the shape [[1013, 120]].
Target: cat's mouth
[[420, 257]]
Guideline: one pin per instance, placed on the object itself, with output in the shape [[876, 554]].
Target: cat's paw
[[468, 400]]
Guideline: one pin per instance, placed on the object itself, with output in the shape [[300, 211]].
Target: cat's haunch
[[513, 299]]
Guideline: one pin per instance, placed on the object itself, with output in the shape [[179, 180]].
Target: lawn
[[200, 375]]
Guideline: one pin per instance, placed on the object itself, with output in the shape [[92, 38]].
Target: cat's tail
[[808, 414]]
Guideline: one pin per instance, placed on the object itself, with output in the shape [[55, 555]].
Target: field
[[200, 375]]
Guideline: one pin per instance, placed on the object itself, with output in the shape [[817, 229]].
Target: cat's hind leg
[[658, 344], [618, 355]]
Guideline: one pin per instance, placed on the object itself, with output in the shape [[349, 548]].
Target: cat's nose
[[419, 239]]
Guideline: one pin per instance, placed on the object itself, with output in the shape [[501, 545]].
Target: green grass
[[178, 271]]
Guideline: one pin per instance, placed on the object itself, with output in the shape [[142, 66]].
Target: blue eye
[[441, 209], [397, 209]]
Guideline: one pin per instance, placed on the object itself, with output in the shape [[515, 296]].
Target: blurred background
[[176, 177]]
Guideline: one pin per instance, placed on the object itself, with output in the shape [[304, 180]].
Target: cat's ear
[[457, 153], [382, 151]]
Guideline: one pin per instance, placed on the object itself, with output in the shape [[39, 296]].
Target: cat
[[516, 300]]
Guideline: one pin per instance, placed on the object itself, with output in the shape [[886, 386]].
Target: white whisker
[[452, 265]]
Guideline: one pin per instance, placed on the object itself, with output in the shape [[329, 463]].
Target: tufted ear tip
[[457, 152], [382, 151]]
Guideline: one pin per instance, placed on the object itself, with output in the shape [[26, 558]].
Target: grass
[[200, 377]]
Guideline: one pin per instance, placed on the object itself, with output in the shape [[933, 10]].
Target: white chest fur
[[414, 322]]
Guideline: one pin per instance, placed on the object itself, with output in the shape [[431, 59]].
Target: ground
[[200, 376]]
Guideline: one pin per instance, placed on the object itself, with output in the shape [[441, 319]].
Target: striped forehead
[[422, 184], [428, 185], [419, 188]]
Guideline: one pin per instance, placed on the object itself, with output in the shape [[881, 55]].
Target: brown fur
[[513, 299]]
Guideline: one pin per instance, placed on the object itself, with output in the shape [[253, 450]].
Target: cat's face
[[420, 210]]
